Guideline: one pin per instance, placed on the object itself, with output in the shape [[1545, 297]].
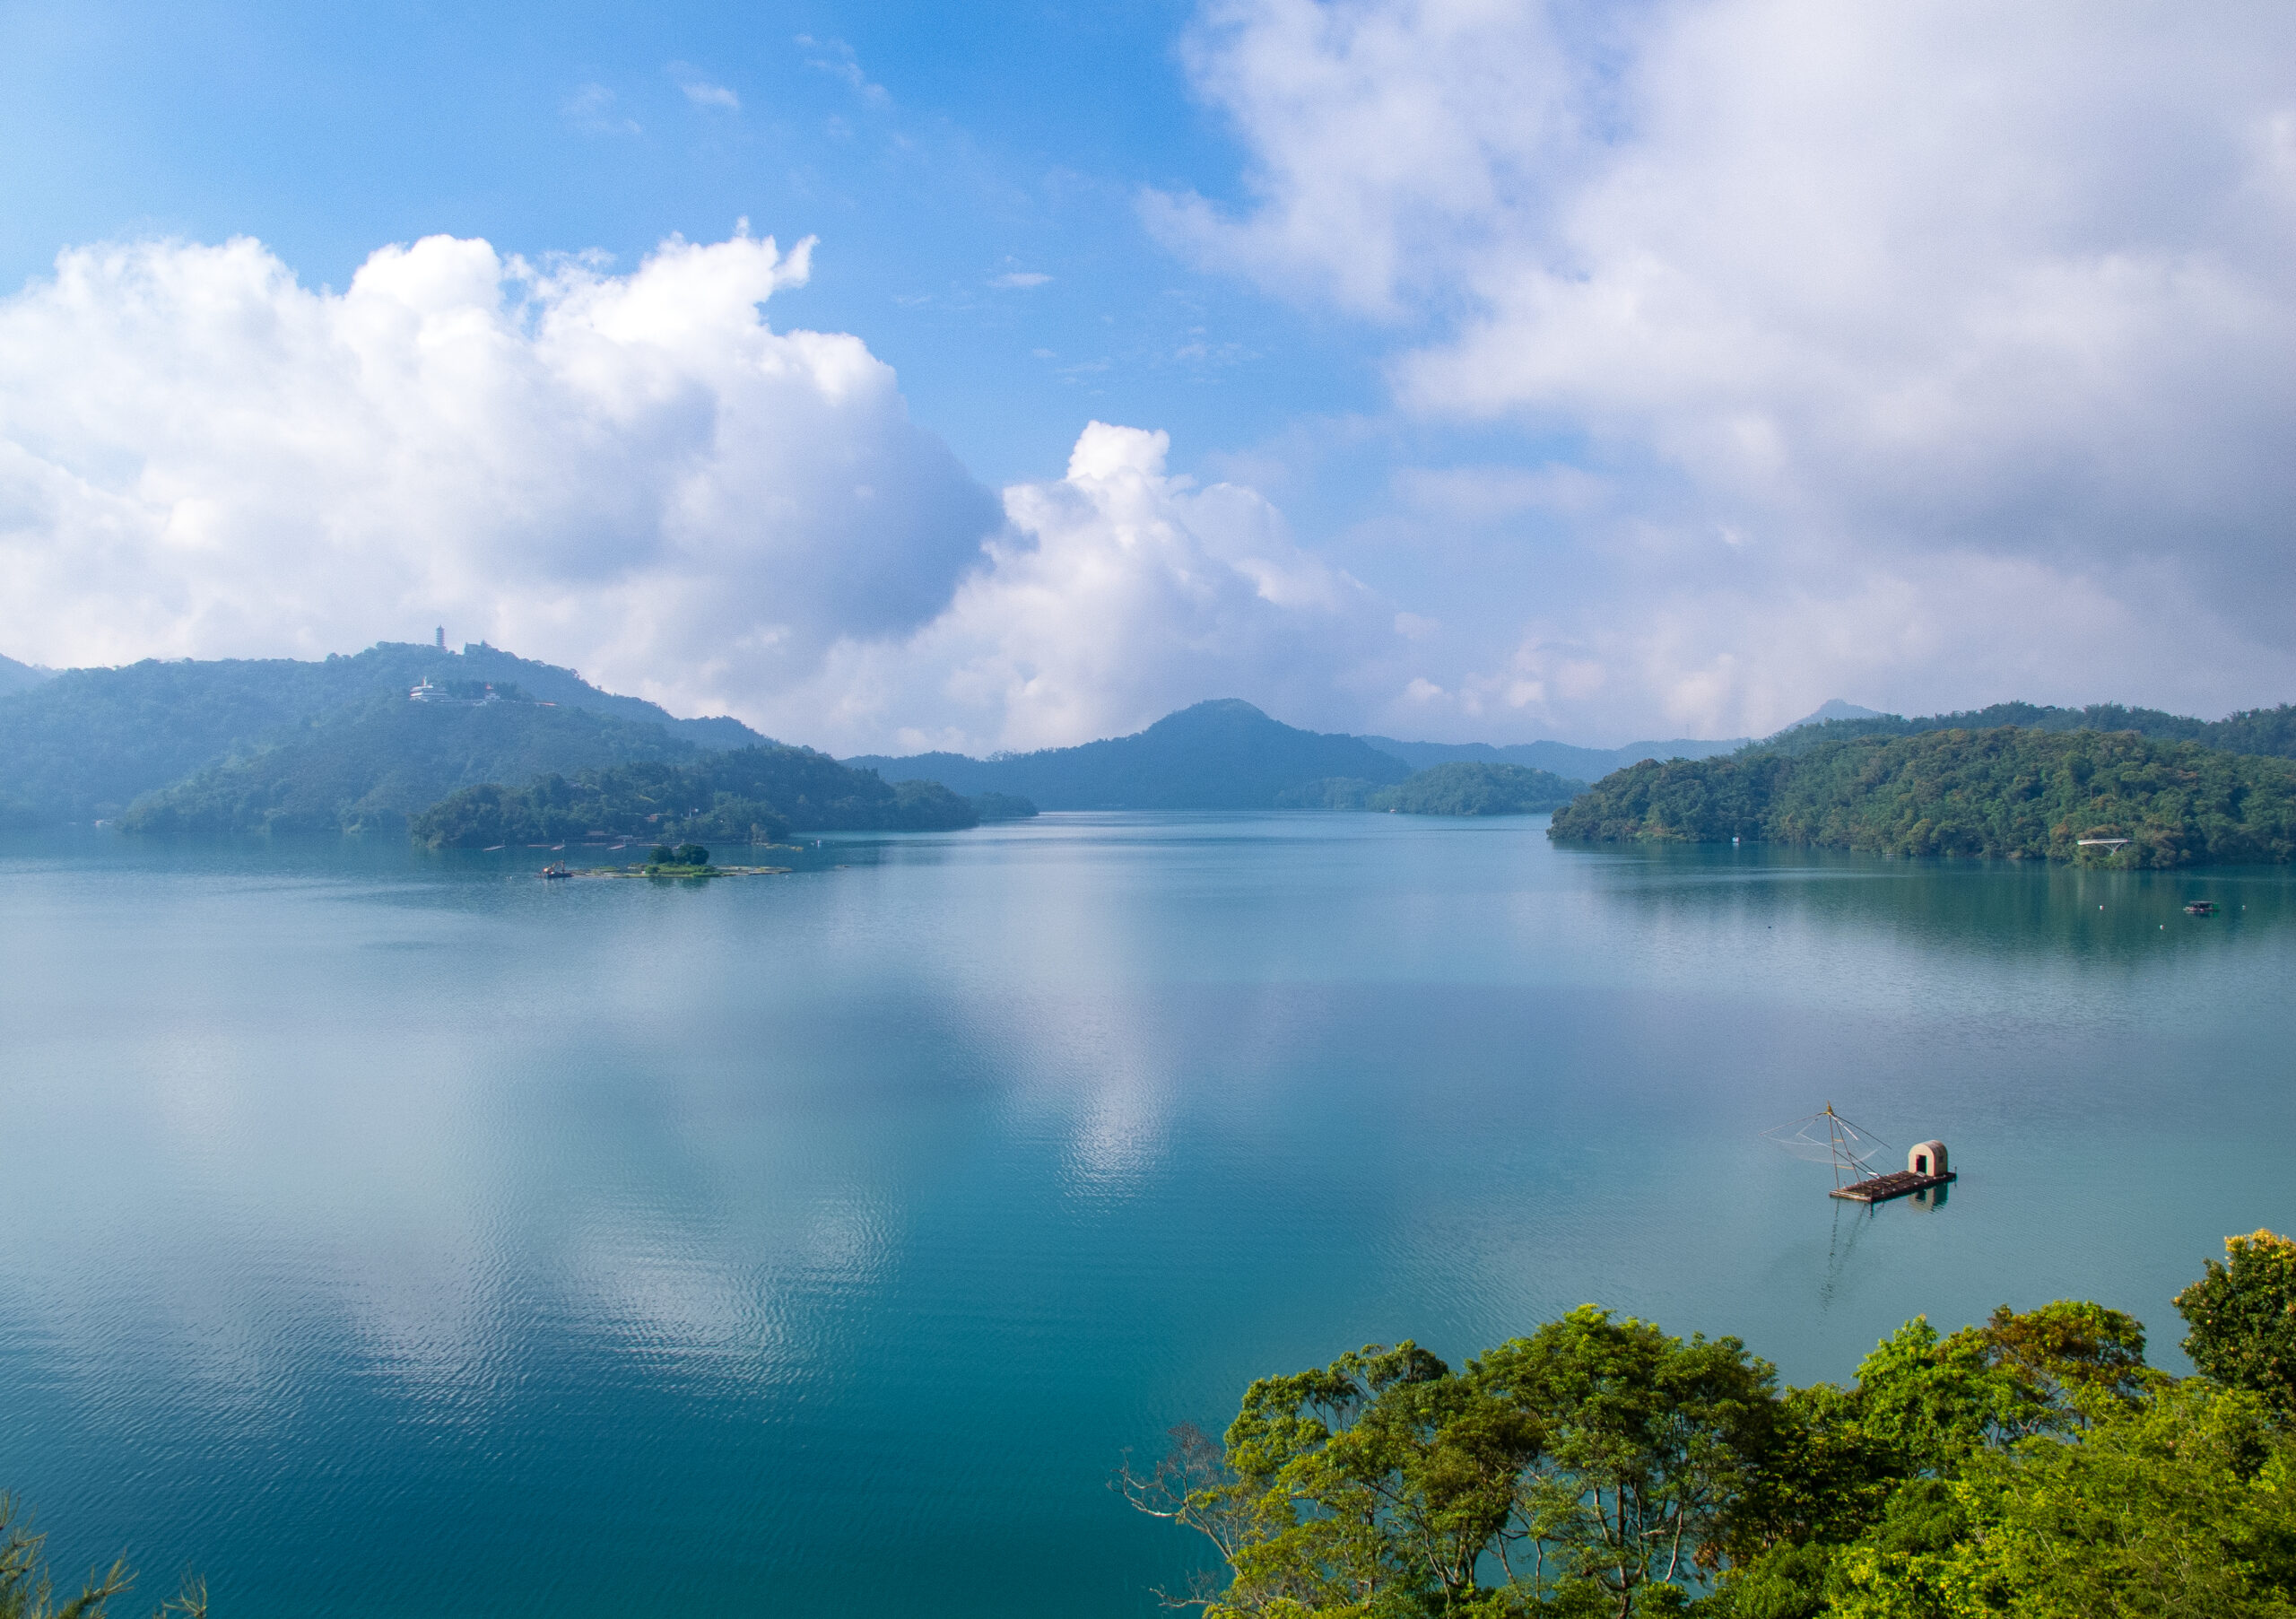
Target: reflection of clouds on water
[[723, 1296], [1119, 1132], [1094, 1074]]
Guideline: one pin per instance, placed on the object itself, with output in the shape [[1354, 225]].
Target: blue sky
[[932, 148], [1523, 368]]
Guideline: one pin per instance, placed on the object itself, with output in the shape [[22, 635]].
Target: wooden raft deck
[[1881, 1189]]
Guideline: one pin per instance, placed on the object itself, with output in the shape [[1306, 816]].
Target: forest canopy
[[2010, 791], [2034, 1467]]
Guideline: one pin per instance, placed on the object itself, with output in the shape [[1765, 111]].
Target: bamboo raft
[[1881, 1189]]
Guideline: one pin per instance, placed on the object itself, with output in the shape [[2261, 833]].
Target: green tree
[[693, 854], [2181, 1504], [2242, 1313], [1587, 1466], [1647, 1440], [1371, 1488]]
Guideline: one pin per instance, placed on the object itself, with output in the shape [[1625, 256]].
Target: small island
[[681, 860]]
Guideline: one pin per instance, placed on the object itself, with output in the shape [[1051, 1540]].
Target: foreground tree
[[1587, 1465], [2242, 1314], [2032, 1464]]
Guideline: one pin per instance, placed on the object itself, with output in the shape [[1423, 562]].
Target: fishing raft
[[1827, 1137]]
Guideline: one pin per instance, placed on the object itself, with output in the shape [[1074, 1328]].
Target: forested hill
[[2269, 731], [86, 743], [2008, 790], [370, 766], [1224, 754], [743, 796], [1460, 786], [19, 677]]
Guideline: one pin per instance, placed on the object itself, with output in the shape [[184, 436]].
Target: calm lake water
[[393, 1235]]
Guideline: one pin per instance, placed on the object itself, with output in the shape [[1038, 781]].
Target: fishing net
[[1827, 1137]]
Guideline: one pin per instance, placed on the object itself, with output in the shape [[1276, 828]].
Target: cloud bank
[[632, 474], [1116, 594], [1929, 350]]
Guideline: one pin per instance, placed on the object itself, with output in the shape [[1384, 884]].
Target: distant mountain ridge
[[2266, 732], [1228, 754], [21, 677], [85, 743], [1222, 755], [1558, 758]]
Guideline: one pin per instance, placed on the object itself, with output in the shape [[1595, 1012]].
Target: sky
[[896, 377]]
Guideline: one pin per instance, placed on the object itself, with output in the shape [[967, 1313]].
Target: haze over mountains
[[338, 746]]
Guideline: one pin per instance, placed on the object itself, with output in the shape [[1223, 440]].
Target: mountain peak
[[1217, 707], [1833, 708]]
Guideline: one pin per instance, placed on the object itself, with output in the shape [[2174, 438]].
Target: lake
[[385, 1233]]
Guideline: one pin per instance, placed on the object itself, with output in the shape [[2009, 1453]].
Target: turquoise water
[[393, 1234]]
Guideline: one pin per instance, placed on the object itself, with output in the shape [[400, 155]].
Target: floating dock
[[1881, 1189]]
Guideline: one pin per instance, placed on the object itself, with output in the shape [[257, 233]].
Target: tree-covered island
[[1464, 786], [2032, 1468], [752, 794]]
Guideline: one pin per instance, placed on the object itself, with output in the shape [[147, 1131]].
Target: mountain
[[372, 767], [1560, 757], [2012, 791], [1833, 708], [1223, 754], [21, 677], [87, 742]]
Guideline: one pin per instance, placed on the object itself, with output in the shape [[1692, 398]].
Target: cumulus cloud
[[1116, 594], [1960, 332], [633, 474]]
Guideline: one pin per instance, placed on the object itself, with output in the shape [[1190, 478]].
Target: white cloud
[[1020, 278], [835, 57], [597, 110], [1118, 594], [699, 90], [1935, 342], [634, 475]]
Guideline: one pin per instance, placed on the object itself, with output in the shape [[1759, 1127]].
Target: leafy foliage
[[743, 796], [2242, 1313], [2031, 1466], [2007, 792]]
